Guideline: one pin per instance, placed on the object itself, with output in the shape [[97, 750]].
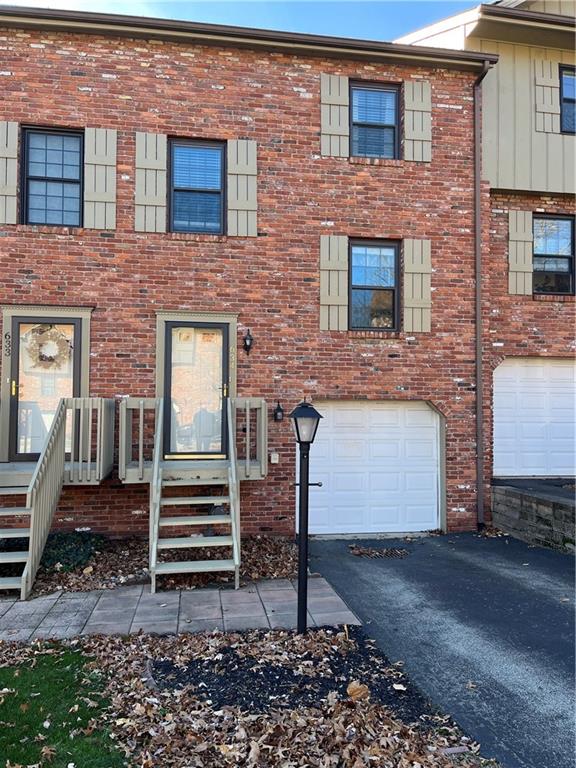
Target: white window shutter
[[8, 172], [333, 283], [334, 116], [417, 294], [520, 252], [100, 178], [547, 96], [150, 187], [418, 120], [242, 202]]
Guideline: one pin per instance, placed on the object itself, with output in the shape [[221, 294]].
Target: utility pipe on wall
[[478, 293]]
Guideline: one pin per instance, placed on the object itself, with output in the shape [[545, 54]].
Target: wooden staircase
[[19, 514], [208, 498]]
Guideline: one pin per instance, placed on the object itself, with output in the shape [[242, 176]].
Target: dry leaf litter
[[166, 708]]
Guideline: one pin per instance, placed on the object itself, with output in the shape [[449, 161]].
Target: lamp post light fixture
[[278, 412], [305, 421]]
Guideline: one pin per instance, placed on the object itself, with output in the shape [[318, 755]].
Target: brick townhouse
[[202, 225]]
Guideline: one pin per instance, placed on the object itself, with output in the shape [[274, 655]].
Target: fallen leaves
[[358, 691]]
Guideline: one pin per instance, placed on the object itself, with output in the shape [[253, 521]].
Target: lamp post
[[305, 420]]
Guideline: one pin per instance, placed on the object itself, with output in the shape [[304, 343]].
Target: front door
[[45, 366], [195, 390]]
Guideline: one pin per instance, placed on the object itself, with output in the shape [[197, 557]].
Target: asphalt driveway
[[485, 627]]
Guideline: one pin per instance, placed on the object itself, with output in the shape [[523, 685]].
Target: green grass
[[37, 714]]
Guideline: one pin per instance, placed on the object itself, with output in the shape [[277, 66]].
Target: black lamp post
[[305, 420]]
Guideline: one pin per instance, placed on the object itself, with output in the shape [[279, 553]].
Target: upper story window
[[196, 189], [373, 285], [553, 268], [568, 99], [374, 116], [52, 177]]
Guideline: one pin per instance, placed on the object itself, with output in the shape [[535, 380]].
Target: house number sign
[[7, 344]]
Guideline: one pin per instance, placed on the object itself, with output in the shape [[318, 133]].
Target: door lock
[[225, 390], [13, 389]]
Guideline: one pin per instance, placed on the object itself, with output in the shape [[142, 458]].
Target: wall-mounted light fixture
[[278, 412], [248, 341]]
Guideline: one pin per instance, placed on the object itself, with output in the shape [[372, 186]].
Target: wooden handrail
[[156, 486]]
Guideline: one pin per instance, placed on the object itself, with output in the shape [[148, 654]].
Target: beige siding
[[333, 283], [150, 186], [100, 178], [559, 7], [417, 294], [334, 116], [241, 188], [520, 249], [8, 172], [516, 153], [417, 120]]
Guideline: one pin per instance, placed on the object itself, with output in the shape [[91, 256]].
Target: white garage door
[[378, 463], [534, 431]]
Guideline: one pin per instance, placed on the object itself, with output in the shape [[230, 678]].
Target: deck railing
[[156, 489], [234, 493], [138, 429], [43, 494], [90, 427]]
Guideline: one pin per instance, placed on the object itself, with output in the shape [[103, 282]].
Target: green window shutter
[[150, 188], [242, 188], [417, 298], [418, 120], [520, 251], [100, 178], [547, 96], [333, 283], [334, 116], [8, 172]]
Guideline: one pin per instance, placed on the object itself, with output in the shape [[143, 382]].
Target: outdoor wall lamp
[[278, 412], [248, 341], [305, 421]]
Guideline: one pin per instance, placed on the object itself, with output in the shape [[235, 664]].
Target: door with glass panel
[[45, 367], [195, 390]]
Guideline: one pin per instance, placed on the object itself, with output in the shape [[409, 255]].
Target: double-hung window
[[553, 267], [196, 189], [52, 177], [373, 285], [374, 121], [568, 99]]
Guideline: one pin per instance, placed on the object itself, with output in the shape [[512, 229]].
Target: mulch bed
[[81, 561], [323, 700]]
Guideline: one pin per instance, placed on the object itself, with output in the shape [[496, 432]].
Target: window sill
[[48, 229], [376, 334], [562, 297], [386, 161], [195, 237]]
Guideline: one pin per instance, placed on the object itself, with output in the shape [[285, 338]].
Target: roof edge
[[514, 14], [213, 34]]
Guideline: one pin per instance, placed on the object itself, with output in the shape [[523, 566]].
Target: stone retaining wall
[[534, 517]]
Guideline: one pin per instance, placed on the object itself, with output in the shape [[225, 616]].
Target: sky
[[368, 19]]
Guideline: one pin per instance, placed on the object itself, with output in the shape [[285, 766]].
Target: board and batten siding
[[559, 7], [516, 154]]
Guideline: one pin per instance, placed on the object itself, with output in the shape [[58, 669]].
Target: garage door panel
[[374, 460], [417, 514], [534, 413], [382, 449]]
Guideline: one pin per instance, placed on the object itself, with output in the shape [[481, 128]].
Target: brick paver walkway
[[262, 605]]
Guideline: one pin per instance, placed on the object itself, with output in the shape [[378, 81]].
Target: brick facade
[[272, 281], [519, 326]]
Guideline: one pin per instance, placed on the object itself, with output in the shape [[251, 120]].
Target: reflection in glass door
[[45, 368], [196, 389]]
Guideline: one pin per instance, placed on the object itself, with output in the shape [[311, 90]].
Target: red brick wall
[[272, 281], [520, 326]]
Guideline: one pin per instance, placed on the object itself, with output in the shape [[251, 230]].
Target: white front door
[[379, 467], [534, 434]]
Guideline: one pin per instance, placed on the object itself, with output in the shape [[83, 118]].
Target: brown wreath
[[40, 359]]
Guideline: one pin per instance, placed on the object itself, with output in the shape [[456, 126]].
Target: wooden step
[[193, 501], [14, 533], [14, 511], [11, 582], [184, 481], [13, 490], [195, 566], [198, 520], [13, 557], [183, 542]]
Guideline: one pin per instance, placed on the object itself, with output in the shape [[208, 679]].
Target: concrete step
[[14, 511], [14, 533], [10, 582], [193, 501], [184, 542], [13, 557], [195, 566], [198, 520], [13, 490]]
